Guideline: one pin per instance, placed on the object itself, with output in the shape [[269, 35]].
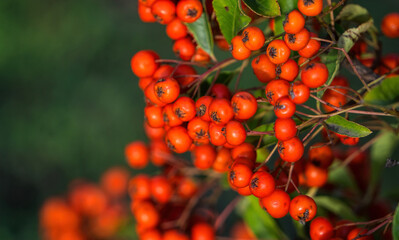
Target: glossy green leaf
[[346, 41], [353, 12], [395, 224], [201, 30], [260, 222], [278, 25], [345, 127], [335, 206], [265, 8], [384, 94], [287, 6], [230, 18]]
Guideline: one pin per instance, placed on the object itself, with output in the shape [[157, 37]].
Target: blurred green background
[[68, 100]]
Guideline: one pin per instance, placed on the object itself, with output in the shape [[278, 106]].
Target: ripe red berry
[[167, 89], [276, 89], [277, 204], [223, 160], [176, 29], [137, 154], [161, 189], [284, 108], [151, 95], [297, 41], [303, 208], [238, 49], [217, 134], [144, 63], [288, 70], [390, 25], [235, 133], [314, 75], [262, 184], [169, 116], [311, 48], [284, 129], [184, 48], [299, 93], [202, 231], [244, 105], [290, 150], [204, 156], [220, 111], [321, 229], [202, 107], [355, 233], [293, 22], [220, 90], [240, 174], [253, 38], [178, 139], [315, 176], [139, 187], [245, 150], [145, 13], [278, 52], [154, 116], [198, 129], [189, 10], [321, 155], [310, 8], [184, 108], [163, 11], [263, 68]]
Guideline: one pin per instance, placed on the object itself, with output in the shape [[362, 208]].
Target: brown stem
[[267, 159], [289, 176], [226, 212]]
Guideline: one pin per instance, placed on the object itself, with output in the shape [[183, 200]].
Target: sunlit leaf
[[230, 18], [265, 8], [345, 127]]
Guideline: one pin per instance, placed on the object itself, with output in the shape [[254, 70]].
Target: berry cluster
[[89, 211]]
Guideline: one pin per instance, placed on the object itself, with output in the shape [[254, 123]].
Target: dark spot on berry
[[304, 217], [161, 80], [231, 48], [170, 145], [278, 70], [245, 38], [307, 3], [291, 38], [201, 110], [215, 117], [257, 60], [192, 12], [223, 130], [285, 20], [269, 95], [236, 109], [165, 118], [279, 106], [232, 176], [179, 113], [159, 91], [254, 183], [292, 94], [200, 134], [280, 148], [273, 52], [309, 66]]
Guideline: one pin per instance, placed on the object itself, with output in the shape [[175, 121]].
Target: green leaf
[[265, 8], [230, 18], [353, 12], [395, 224], [201, 30], [335, 206], [381, 150], [278, 25], [260, 222], [345, 41], [384, 94], [287, 5], [345, 127], [261, 154]]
